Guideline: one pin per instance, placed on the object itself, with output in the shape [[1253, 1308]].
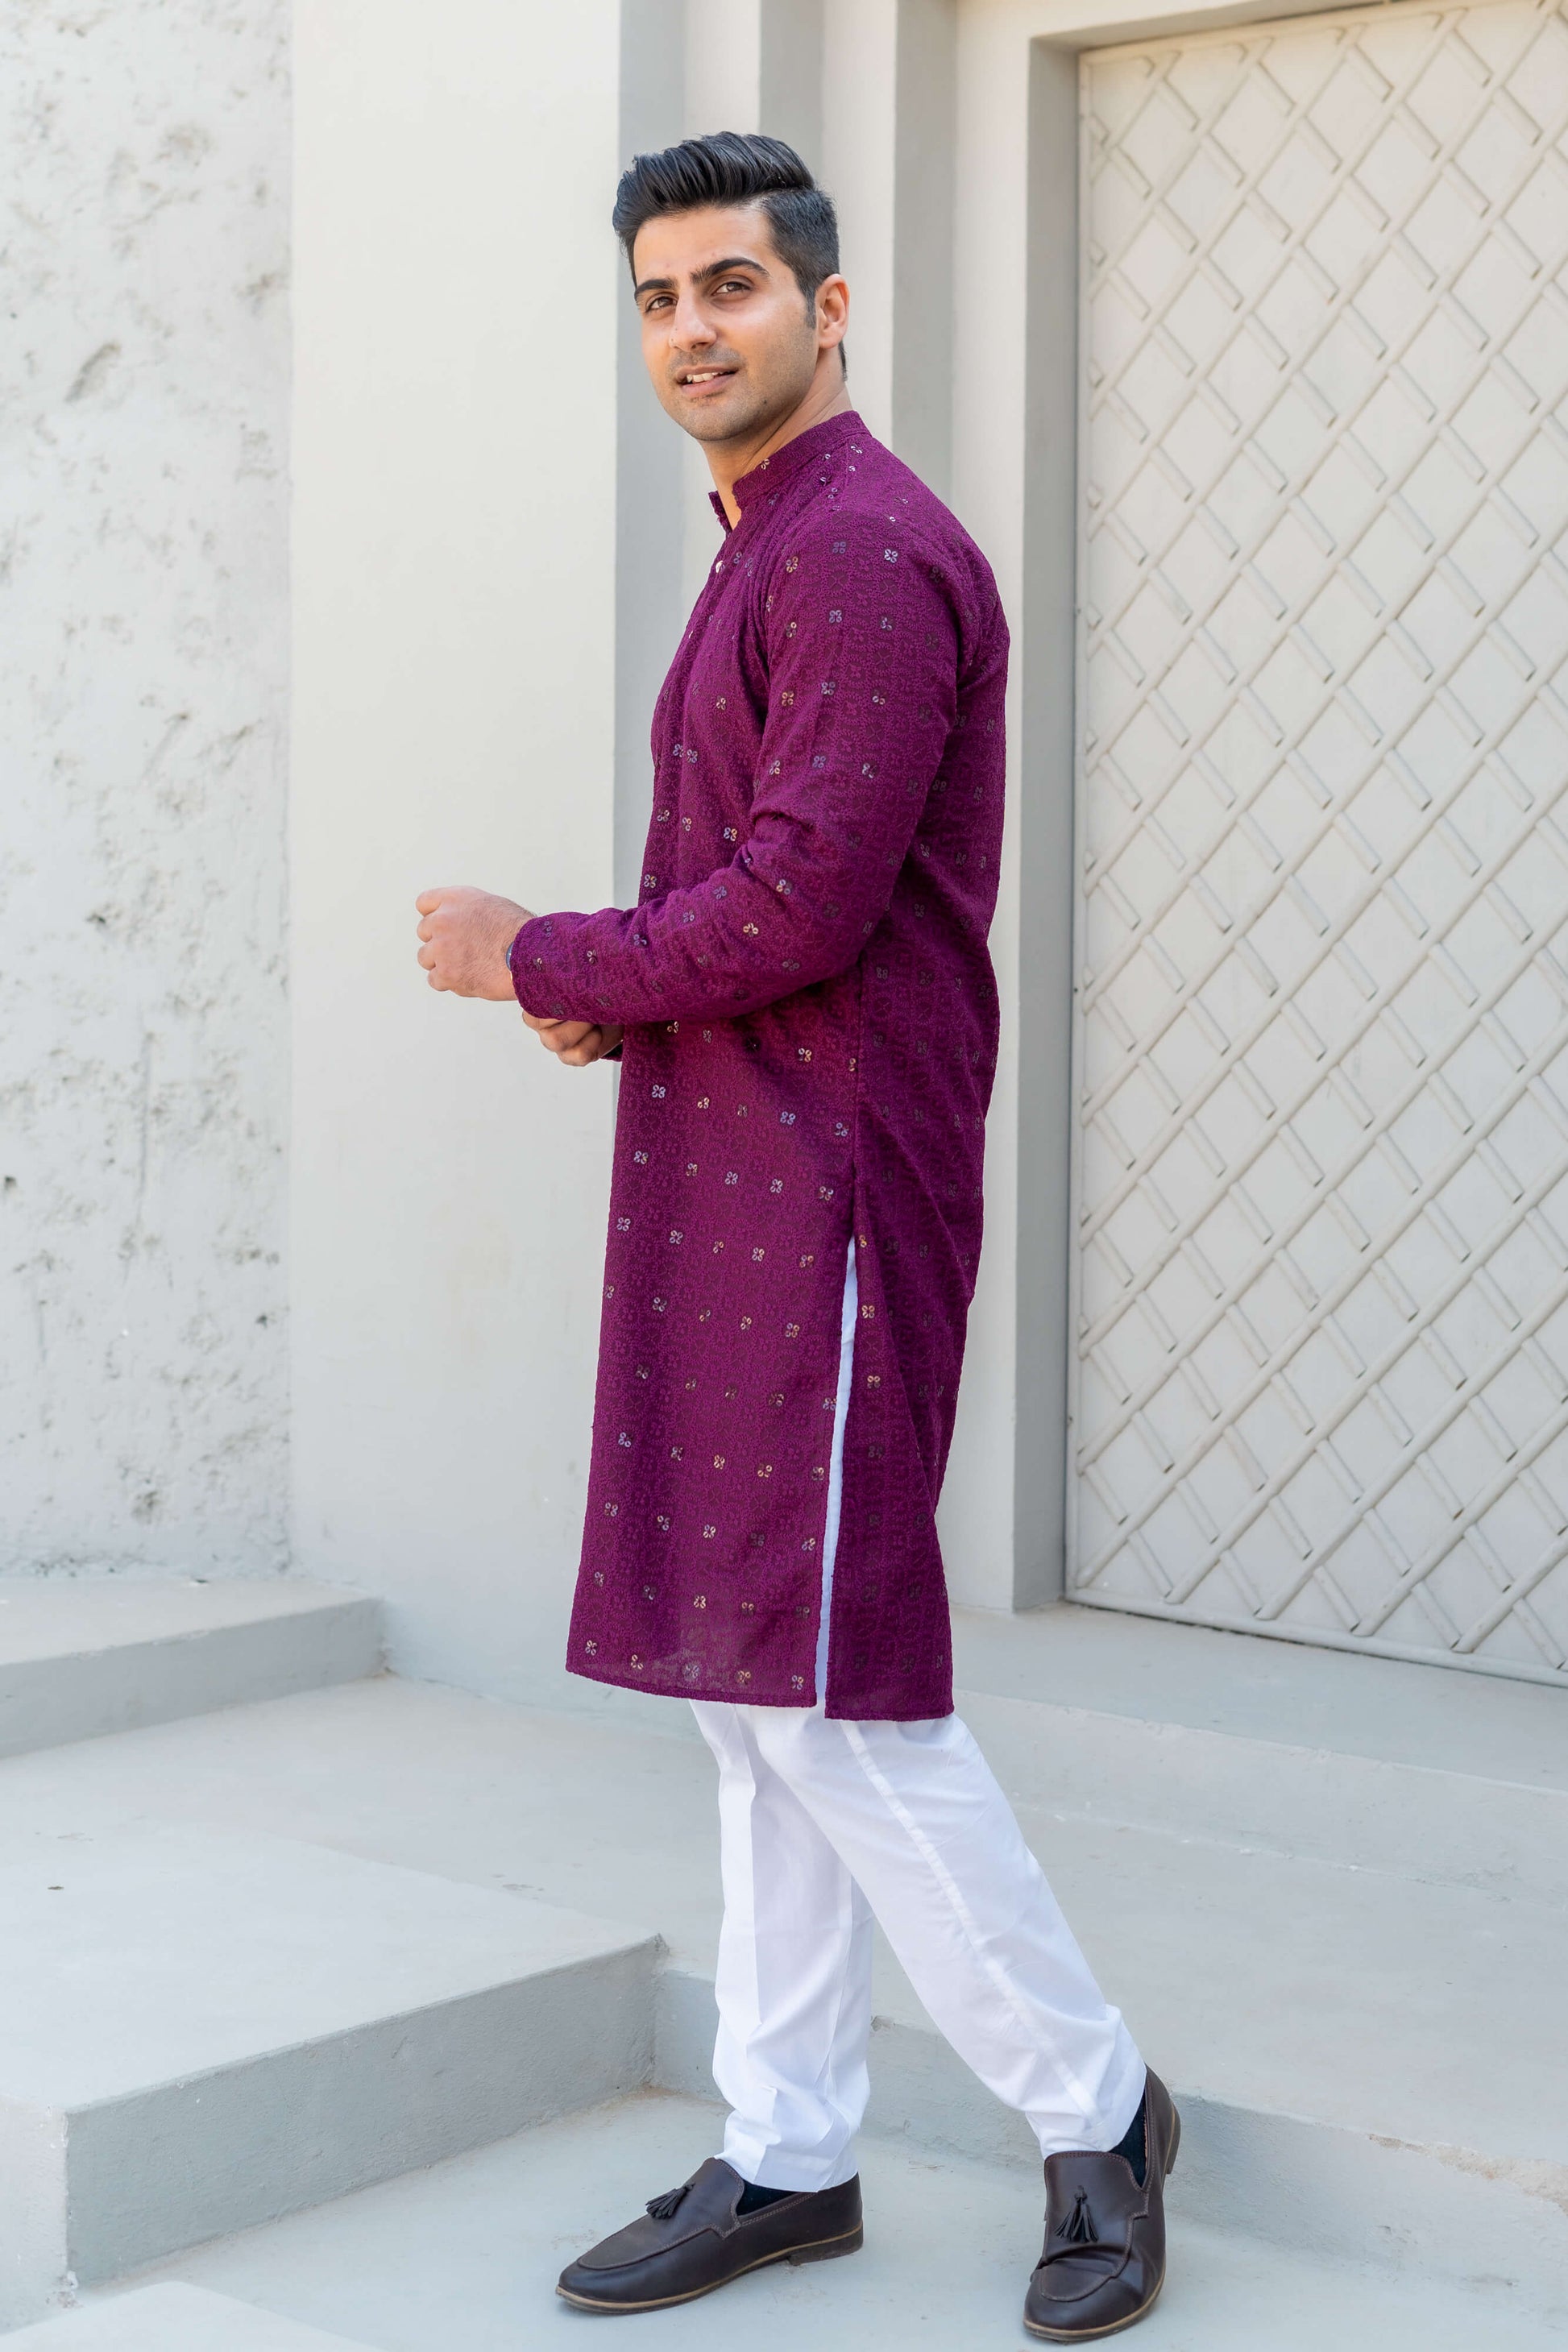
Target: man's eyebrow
[[734, 261], [699, 277]]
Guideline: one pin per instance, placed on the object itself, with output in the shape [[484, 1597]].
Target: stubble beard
[[738, 419], [750, 418]]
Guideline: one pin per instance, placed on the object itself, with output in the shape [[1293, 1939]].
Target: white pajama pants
[[825, 1824]]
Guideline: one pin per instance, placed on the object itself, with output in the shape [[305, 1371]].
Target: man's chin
[[718, 420], [737, 416]]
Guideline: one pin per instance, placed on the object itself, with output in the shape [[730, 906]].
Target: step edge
[[174, 2298], [70, 2109], [1538, 2175], [111, 2237], [968, 1697], [350, 1610]]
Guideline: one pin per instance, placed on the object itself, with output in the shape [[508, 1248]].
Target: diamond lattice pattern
[[1322, 1089]]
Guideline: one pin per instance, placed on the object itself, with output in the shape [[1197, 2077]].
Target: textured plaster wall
[[143, 394]]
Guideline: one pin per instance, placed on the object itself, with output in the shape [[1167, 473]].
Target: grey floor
[[464, 2258]]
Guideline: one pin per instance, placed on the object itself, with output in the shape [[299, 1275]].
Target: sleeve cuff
[[531, 985]]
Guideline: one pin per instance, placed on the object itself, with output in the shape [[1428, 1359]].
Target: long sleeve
[[863, 651]]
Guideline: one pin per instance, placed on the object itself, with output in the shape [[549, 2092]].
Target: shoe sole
[[821, 2249], [1089, 2335]]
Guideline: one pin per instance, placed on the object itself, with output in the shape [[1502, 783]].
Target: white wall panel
[[1323, 939], [455, 532]]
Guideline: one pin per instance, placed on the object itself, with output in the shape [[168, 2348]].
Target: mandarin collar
[[785, 463]]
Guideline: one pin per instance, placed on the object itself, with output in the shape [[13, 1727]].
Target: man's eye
[[735, 286]]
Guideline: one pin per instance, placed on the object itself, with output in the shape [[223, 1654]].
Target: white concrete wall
[[145, 379], [454, 610]]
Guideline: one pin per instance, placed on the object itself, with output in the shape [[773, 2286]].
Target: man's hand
[[576, 1043], [467, 933]]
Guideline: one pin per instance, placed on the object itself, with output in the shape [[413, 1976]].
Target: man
[[807, 1019]]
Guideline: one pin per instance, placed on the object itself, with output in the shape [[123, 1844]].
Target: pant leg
[[794, 1975], [916, 1819], [817, 1816], [795, 1952]]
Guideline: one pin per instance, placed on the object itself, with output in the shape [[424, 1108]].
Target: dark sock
[[753, 2198], [1131, 2145]]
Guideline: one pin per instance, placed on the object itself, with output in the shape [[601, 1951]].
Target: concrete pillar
[[859, 81], [1044, 827], [925, 125], [868, 91], [789, 70], [988, 1550]]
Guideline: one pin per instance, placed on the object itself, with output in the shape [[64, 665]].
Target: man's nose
[[690, 328]]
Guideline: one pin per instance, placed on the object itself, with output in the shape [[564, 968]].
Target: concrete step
[[82, 1655], [1368, 1763], [198, 2032], [1369, 2064], [175, 2319], [464, 2258]]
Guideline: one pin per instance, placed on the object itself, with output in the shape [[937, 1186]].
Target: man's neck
[[728, 461]]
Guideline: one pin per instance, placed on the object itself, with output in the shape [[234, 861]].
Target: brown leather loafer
[[693, 2240], [1103, 2263]]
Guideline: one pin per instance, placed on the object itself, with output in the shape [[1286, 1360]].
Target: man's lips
[[701, 380]]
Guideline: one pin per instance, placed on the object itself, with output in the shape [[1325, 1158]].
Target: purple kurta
[[810, 1042]]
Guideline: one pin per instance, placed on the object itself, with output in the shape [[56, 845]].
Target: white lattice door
[[1322, 1215]]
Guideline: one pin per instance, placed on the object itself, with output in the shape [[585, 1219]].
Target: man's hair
[[736, 167]]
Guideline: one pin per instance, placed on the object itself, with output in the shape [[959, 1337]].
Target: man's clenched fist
[[467, 933], [576, 1043]]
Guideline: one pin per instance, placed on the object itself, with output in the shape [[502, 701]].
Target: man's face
[[730, 341]]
